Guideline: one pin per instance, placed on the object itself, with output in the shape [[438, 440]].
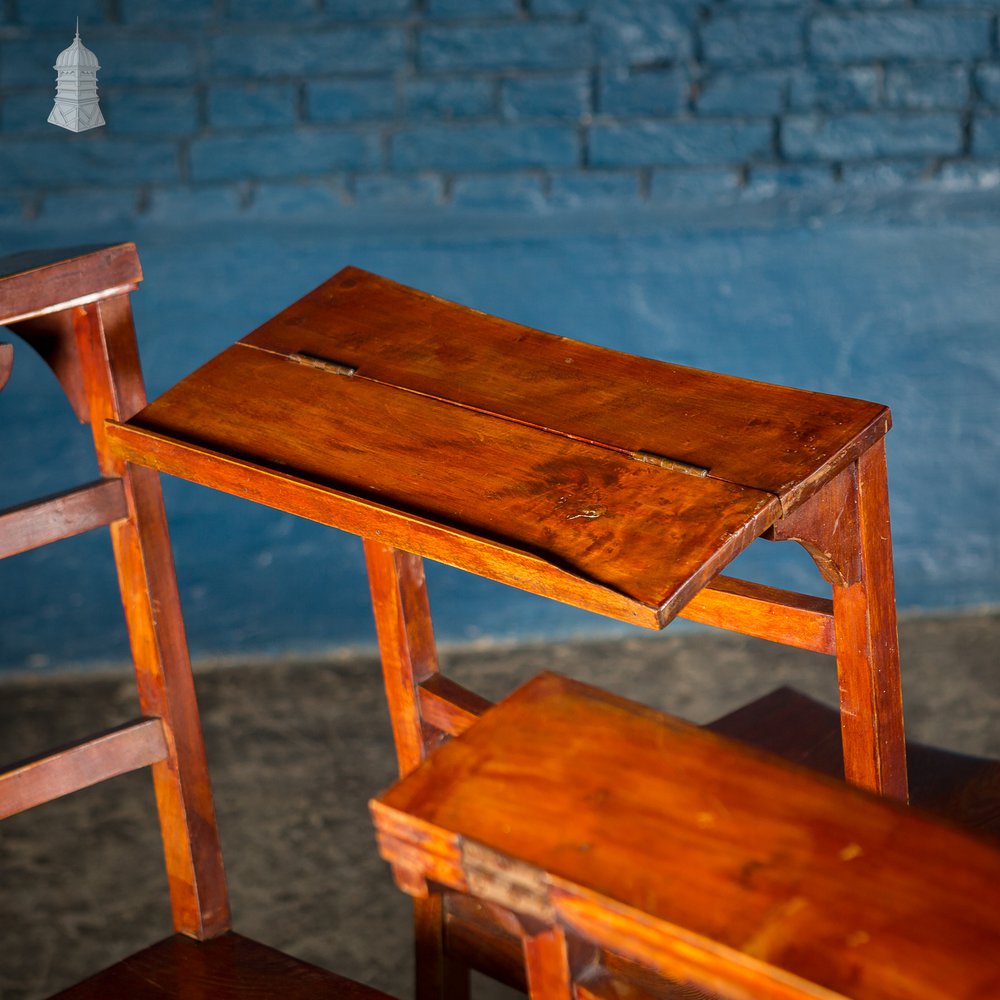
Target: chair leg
[[409, 657], [845, 528], [113, 380], [406, 644], [871, 702]]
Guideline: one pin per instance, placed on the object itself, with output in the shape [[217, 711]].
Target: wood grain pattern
[[652, 535], [40, 522], [117, 751], [230, 967], [397, 335], [448, 706], [141, 543], [6, 362], [40, 281], [667, 844]]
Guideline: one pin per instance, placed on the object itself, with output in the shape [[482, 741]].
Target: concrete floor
[[296, 749]]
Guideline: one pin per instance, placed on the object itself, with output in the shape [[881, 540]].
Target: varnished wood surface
[[673, 846], [81, 765], [394, 334], [230, 967], [506, 451], [612, 525], [30, 525], [36, 282], [6, 362]]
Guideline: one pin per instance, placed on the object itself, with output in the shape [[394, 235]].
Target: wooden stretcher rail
[[765, 612], [448, 706], [117, 751], [62, 515]]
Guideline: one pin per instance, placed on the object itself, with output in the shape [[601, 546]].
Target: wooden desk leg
[[409, 657], [113, 382], [845, 528]]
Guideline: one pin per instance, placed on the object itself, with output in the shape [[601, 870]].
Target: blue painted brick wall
[[407, 103]]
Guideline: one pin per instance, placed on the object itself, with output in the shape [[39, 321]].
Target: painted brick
[[346, 50], [184, 205], [61, 15], [988, 82], [851, 88], [768, 182], [546, 97], [754, 92], [484, 147], [903, 35], [885, 175], [164, 111], [26, 111], [155, 12], [90, 158], [29, 62], [447, 99], [268, 10], [640, 32], [471, 8], [397, 191], [250, 105], [753, 39], [986, 135], [652, 92], [508, 46], [505, 193], [558, 8], [12, 211], [694, 185], [679, 143], [94, 206], [281, 154], [969, 177], [307, 200], [593, 188], [864, 136], [367, 10], [350, 101], [926, 88], [144, 60]]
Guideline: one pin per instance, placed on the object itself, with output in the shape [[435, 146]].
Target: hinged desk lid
[[615, 483]]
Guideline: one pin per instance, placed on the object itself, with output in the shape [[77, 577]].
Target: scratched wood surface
[[395, 334], [682, 850], [597, 478]]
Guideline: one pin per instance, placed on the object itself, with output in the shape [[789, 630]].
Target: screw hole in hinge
[[651, 458], [323, 364]]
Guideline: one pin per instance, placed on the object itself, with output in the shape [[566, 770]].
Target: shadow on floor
[[296, 749]]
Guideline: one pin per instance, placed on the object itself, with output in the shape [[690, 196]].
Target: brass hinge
[[323, 364], [651, 458]]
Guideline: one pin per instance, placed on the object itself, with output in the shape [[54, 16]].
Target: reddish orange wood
[[618, 527], [86, 763], [40, 522], [667, 845], [42, 281], [113, 377], [230, 967], [6, 362], [446, 705], [394, 334], [547, 964], [846, 529], [766, 612]]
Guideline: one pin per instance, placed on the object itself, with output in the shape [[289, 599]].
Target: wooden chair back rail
[[6, 362], [88, 762], [72, 512], [608, 829], [76, 313]]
